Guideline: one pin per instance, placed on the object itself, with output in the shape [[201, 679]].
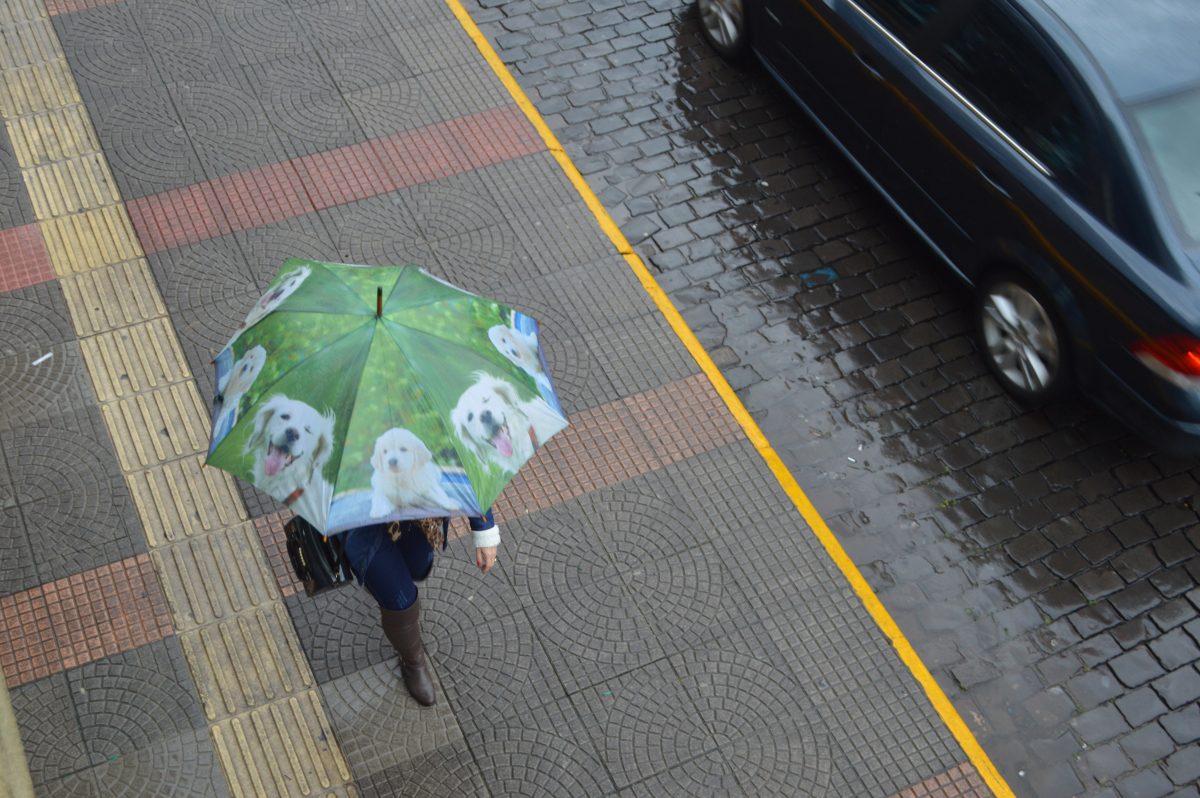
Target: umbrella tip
[[379, 301]]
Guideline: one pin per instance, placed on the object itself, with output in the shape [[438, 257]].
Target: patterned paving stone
[[303, 105], [376, 230], [33, 319], [145, 142], [544, 752], [75, 505], [643, 723], [31, 394], [132, 701], [340, 632], [266, 247], [15, 209], [206, 273], [452, 207], [181, 764], [50, 729], [17, 570], [449, 771], [260, 30], [379, 726], [228, 127]]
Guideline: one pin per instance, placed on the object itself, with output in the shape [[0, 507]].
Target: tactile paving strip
[[269, 729]]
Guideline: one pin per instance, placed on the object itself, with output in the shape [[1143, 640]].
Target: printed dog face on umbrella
[[276, 294], [291, 443], [405, 475], [493, 421]]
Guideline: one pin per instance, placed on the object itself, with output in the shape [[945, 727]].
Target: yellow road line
[[883, 618]]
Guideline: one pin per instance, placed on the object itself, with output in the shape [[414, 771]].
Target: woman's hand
[[485, 558]]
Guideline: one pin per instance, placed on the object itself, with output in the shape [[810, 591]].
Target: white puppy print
[[522, 349], [405, 475], [291, 444], [239, 379], [273, 298], [493, 422]]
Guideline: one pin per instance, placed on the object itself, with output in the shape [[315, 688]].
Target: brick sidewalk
[[662, 620]]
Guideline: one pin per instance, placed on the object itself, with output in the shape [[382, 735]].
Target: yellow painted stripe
[[883, 618]]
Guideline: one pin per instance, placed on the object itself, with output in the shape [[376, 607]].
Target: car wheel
[[1021, 338], [725, 26]]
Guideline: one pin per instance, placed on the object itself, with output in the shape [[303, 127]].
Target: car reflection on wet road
[[1043, 563]]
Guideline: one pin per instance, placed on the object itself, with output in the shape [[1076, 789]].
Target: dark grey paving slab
[[227, 124], [452, 206], [212, 272], [30, 394], [339, 23], [72, 498], [32, 319], [105, 49], [640, 354], [303, 105], [137, 700], [17, 570], [434, 45], [544, 752], [379, 726], [378, 230], [339, 631], [183, 764], [259, 30], [144, 140], [50, 729], [265, 248], [449, 771], [204, 330], [15, 209], [530, 183]]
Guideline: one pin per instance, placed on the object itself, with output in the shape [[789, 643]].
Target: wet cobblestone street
[[1043, 563]]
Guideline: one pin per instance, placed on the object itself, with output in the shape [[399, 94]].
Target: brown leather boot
[[403, 631]]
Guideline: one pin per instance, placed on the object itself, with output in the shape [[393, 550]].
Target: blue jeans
[[388, 569]]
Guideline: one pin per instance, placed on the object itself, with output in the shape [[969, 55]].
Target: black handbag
[[319, 561]]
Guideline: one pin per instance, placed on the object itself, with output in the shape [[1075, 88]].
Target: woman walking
[[389, 560]]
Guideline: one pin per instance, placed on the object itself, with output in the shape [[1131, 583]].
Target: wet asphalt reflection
[[1043, 563]]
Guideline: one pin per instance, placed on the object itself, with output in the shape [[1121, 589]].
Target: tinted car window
[[903, 17], [994, 63]]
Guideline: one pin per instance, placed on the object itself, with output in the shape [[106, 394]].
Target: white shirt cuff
[[486, 538]]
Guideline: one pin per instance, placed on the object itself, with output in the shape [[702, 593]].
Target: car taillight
[[1174, 357]]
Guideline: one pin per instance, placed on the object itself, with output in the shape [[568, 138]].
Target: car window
[[1170, 128], [994, 63], [904, 18]]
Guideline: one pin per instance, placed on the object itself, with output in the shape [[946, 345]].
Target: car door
[[845, 48], [804, 42], [993, 126]]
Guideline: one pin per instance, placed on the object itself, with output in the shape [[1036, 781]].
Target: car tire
[[725, 25], [1021, 338]]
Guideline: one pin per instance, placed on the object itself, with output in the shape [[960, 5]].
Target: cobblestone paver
[[1044, 564]]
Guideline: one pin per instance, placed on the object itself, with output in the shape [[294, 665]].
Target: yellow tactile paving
[[13, 11], [24, 44], [214, 577], [52, 136], [246, 661], [72, 185], [134, 359], [270, 730], [154, 427], [89, 240], [38, 87], [281, 749], [182, 499], [112, 297]]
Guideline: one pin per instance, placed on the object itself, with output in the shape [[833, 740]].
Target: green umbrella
[[362, 394]]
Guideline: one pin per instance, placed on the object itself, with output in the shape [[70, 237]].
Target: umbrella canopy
[[360, 394]]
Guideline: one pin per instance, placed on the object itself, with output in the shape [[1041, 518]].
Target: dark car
[[1047, 150]]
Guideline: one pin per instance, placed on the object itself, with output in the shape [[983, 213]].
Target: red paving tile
[[59, 7], [962, 781], [273, 193], [81, 618], [23, 258]]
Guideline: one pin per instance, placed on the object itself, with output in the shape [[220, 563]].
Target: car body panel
[[983, 202]]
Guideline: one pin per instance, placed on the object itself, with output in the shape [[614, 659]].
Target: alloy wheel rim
[[1020, 337], [723, 20]]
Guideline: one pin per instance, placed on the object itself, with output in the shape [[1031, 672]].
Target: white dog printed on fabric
[[274, 298], [521, 347], [405, 475], [291, 444], [498, 426], [234, 386]]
